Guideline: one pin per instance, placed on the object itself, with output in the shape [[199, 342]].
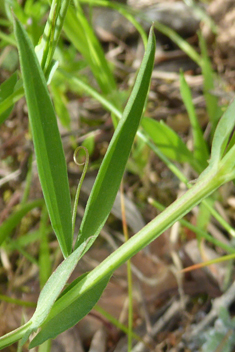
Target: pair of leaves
[[75, 306], [53, 178]]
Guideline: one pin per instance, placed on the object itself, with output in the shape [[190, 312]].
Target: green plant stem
[[198, 231], [53, 30], [80, 183], [151, 231], [14, 335], [45, 347], [129, 273]]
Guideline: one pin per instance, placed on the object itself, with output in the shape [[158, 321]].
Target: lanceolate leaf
[[71, 314], [47, 142], [112, 168]]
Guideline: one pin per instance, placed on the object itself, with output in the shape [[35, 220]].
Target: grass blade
[[11, 99], [111, 171], [212, 105], [13, 220], [124, 10], [81, 35], [200, 148], [47, 142], [169, 142]]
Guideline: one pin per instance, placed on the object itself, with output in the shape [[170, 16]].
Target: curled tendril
[[85, 163], [76, 153]]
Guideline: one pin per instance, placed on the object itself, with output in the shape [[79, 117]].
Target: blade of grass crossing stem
[[112, 168], [200, 148], [47, 142], [71, 314]]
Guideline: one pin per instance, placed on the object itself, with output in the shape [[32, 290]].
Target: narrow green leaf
[[200, 148], [71, 314], [47, 142], [212, 105], [169, 142], [178, 40], [14, 219], [6, 89], [112, 168], [124, 10], [81, 34]]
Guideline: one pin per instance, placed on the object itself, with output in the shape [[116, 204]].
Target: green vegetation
[[59, 308]]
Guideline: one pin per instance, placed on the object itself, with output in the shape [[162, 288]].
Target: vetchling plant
[[58, 309]]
